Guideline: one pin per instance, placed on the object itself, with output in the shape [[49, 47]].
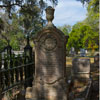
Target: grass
[[69, 60]]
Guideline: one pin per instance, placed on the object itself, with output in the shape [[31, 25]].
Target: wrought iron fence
[[17, 70]]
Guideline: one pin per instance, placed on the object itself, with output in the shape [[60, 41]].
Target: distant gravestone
[[50, 62], [82, 52], [72, 51]]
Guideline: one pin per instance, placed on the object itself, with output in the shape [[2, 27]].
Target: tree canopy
[[85, 34], [20, 17], [66, 29], [82, 37], [83, 1], [10, 5]]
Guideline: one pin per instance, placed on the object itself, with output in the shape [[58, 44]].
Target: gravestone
[[81, 68], [82, 52], [72, 51], [50, 62], [80, 84]]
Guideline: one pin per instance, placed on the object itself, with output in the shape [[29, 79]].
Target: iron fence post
[[28, 59]]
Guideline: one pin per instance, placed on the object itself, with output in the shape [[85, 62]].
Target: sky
[[68, 12]]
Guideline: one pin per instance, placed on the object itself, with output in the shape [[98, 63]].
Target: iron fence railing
[[16, 71]]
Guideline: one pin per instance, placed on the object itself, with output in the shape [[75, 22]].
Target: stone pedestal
[[81, 68], [80, 86], [50, 63], [54, 91]]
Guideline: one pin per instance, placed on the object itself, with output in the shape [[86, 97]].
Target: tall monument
[[50, 62]]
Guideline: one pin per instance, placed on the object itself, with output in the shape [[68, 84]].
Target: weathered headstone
[[81, 68], [50, 62]]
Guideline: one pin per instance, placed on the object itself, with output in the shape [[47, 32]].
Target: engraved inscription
[[51, 70]]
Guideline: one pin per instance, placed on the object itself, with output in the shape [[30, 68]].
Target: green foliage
[[11, 32], [93, 15], [83, 1], [74, 40], [30, 18], [88, 37], [86, 34], [82, 36], [14, 43], [19, 18], [10, 5], [66, 29], [3, 43], [27, 18], [93, 21]]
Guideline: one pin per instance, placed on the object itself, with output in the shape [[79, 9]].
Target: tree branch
[[10, 5]]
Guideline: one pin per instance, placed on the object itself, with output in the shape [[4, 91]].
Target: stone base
[[54, 91]]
